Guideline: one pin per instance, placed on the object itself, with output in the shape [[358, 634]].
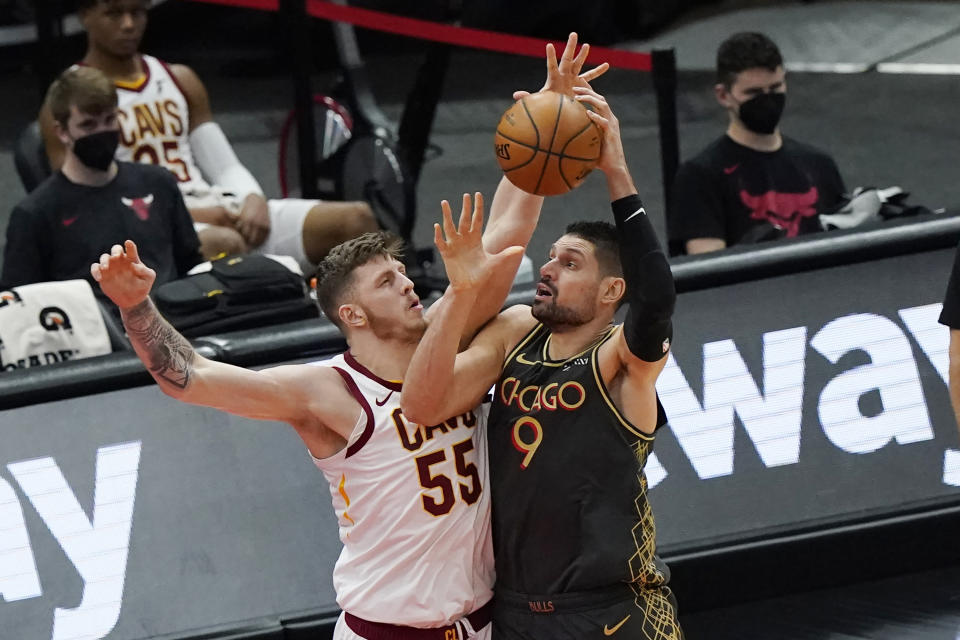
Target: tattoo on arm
[[167, 354]]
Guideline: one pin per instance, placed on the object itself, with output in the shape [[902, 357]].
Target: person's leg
[[330, 223], [215, 241], [308, 229]]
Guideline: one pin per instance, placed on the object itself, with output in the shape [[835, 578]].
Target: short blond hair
[[85, 88]]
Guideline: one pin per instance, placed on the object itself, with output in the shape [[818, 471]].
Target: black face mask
[[761, 114], [97, 149]]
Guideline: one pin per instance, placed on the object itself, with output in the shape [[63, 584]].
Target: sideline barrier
[[811, 442], [315, 338]]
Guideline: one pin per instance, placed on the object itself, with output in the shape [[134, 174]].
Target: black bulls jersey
[[570, 510]]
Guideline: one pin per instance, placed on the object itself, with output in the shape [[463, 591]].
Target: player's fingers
[[142, 271], [520, 95], [438, 238], [599, 119], [596, 72], [132, 252], [581, 58], [116, 251], [476, 223], [104, 261], [448, 229], [95, 271], [551, 58], [466, 215], [570, 49]]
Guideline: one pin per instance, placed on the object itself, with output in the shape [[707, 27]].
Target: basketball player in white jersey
[[411, 500], [165, 119]]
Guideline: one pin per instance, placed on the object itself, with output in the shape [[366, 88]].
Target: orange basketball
[[546, 143]]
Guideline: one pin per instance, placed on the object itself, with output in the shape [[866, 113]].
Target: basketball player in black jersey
[[573, 418]]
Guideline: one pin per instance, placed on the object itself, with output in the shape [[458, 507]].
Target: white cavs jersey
[[155, 125], [413, 507]]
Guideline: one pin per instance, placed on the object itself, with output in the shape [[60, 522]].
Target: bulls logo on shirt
[[782, 210], [140, 206]]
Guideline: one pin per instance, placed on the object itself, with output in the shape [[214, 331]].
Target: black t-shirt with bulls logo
[[61, 228], [740, 195]]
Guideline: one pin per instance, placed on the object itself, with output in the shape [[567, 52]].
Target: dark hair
[[604, 238], [85, 88], [335, 272], [85, 5], [746, 50]]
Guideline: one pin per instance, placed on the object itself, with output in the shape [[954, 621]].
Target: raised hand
[[467, 263], [566, 74], [611, 154], [122, 277]]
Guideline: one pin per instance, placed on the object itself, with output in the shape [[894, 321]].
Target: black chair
[[30, 157]]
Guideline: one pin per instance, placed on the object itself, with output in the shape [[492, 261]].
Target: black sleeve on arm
[[950, 314], [651, 294]]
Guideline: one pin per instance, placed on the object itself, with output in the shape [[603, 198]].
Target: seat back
[[30, 157]]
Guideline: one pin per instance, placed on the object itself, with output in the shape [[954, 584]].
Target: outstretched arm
[[514, 213], [273, 394], [650, 292], [440, 382]]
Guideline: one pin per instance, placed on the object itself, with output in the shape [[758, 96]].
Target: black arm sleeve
[[651, 294]]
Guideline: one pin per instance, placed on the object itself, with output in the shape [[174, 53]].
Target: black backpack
[[239, 292]]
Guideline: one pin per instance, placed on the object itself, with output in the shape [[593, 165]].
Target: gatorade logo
[[54, 319]]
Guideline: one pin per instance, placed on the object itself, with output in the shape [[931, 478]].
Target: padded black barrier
[[795, 255], [266, 630], [870, 550]]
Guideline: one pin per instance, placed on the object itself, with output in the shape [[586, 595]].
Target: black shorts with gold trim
[[630, 612]]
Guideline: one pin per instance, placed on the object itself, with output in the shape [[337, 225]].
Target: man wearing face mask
[[753, 183], [93, 201]]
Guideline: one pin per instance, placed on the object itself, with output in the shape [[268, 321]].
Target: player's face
[[385, 295], [749, 84], [569, 285], [115, 27], [81, 124]]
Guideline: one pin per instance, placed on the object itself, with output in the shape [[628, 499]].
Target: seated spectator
[[165, 119], [752, 183], [94, 202]]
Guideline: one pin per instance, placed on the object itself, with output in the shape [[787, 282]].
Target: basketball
[[546, 143]]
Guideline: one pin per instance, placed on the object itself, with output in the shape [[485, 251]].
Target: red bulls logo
[[140, 206], [782, 210]]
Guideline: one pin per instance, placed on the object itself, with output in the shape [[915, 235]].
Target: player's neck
[[79, 173], [387, 359], [115, 68], [566, 341], [767, 142]]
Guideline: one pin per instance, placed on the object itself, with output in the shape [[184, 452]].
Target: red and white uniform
[[413, 508], [155, 124], [155, 128]]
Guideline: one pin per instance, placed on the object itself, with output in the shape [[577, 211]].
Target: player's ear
[[60, 131], [722, 93], [612, 289], [351, 315]]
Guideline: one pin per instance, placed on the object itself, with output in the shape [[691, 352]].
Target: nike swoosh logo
[[638, 211], [69, 221], [380, 404], [607, 631], [521, 358], [729, 170]]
